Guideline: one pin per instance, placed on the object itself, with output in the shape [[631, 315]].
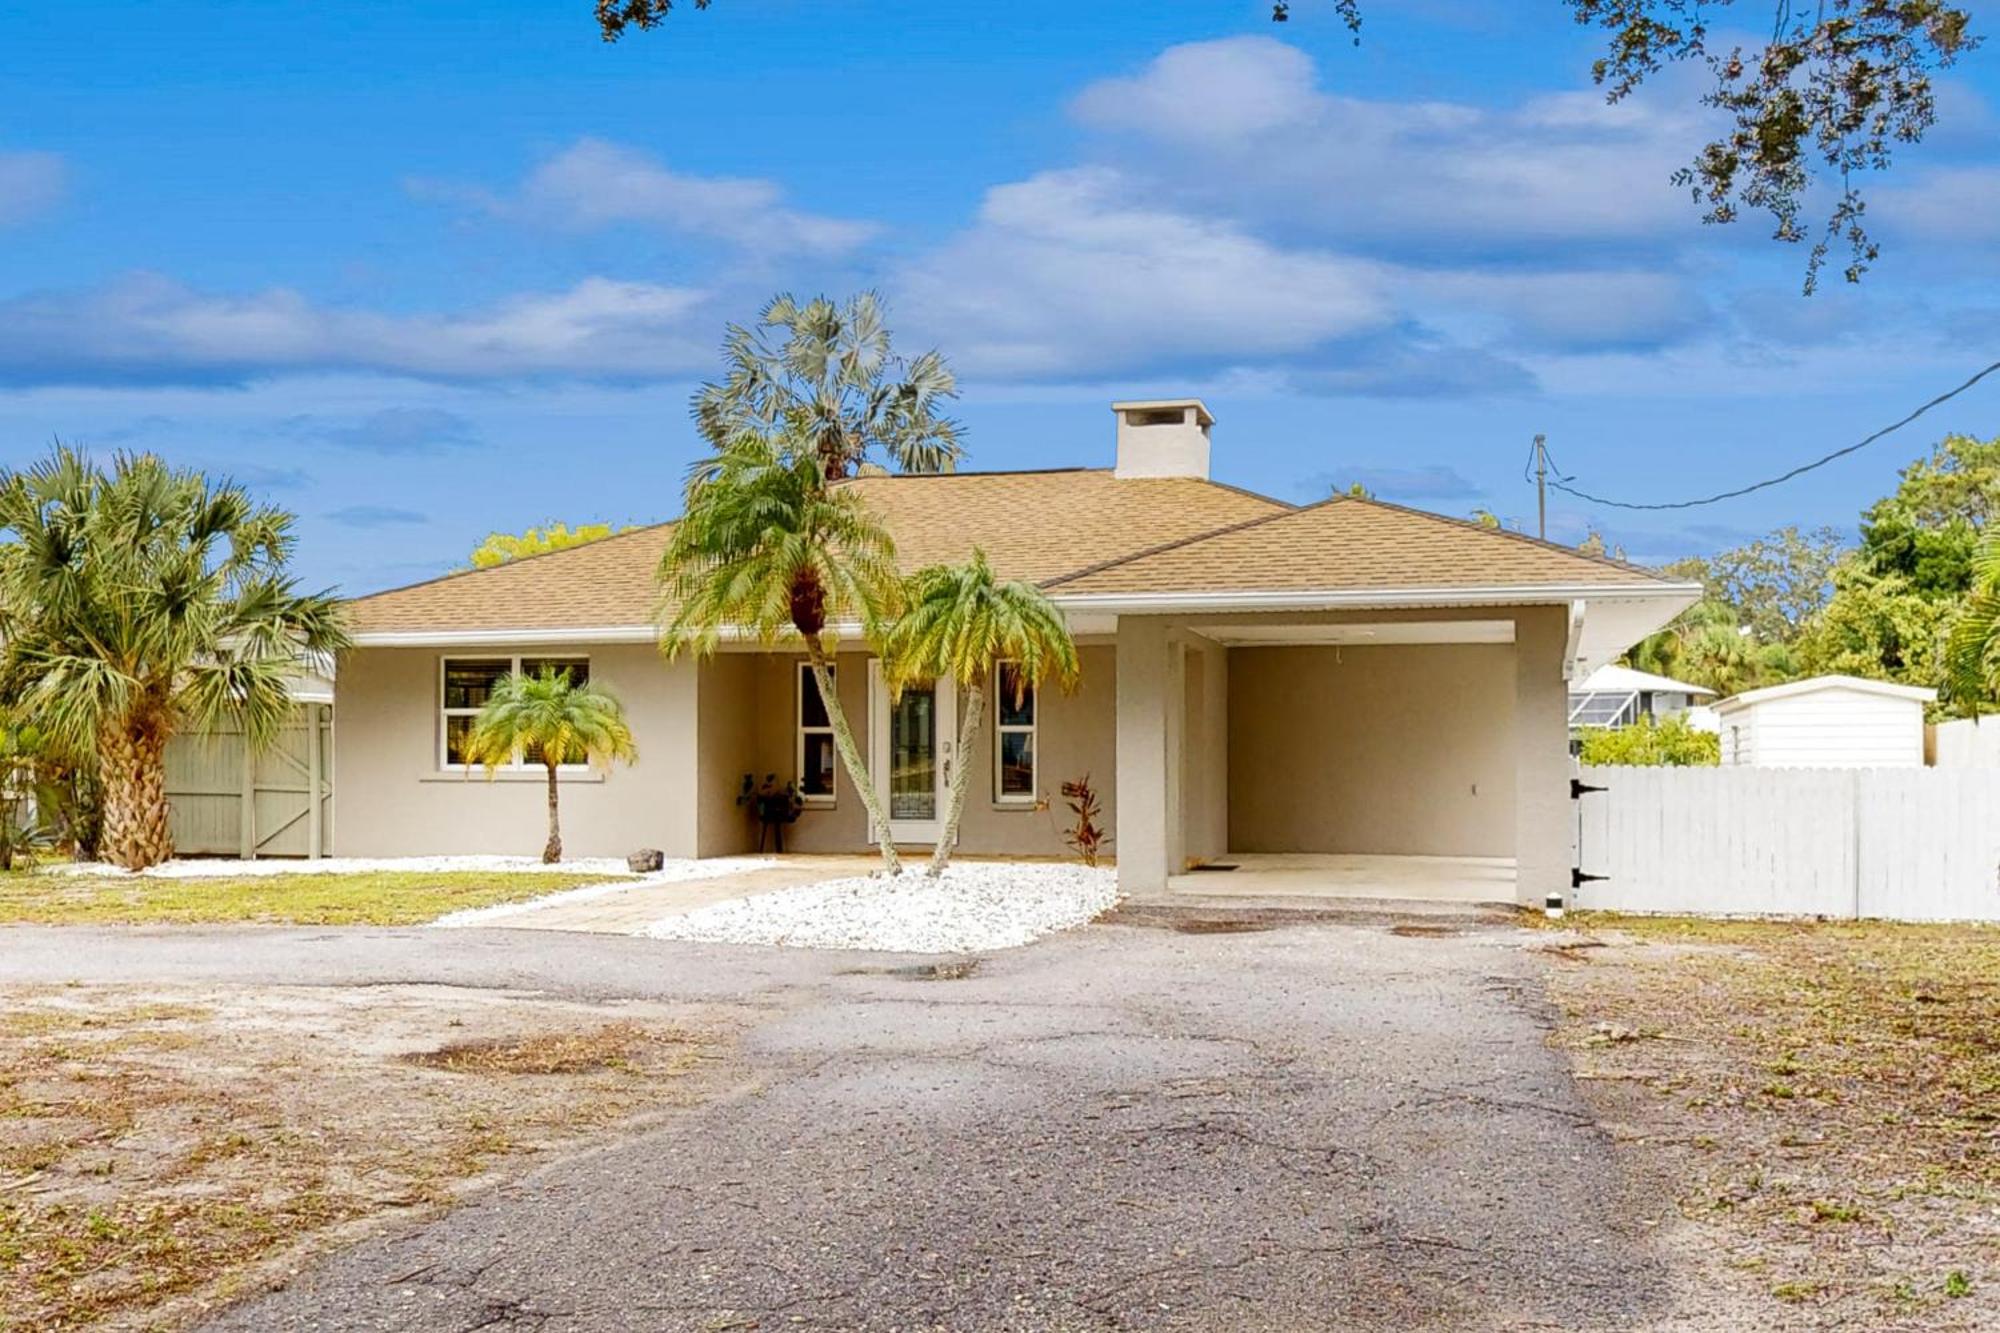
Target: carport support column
[[1144, 738], [1541, 753]]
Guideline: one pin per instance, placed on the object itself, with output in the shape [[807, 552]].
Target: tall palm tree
[[769, 548], [824, 376], [1972, 652], [958, 624], [549, 718], [137, 601]]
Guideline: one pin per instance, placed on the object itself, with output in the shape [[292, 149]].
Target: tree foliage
[[770, 548], [1836, 89], [500, 548], [1972, 651], [824, 375], [957, 624], [1650, 743], [548, 718], [138, 600], [1927, 530]]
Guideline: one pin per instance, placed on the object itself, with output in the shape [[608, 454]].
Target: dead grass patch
[[155, 1148], [613, 1046], [1823, 1100]]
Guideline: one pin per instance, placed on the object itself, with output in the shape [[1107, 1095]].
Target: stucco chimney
[[1165, 437]]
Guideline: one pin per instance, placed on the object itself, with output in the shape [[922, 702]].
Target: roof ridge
[[978, 472], [1174, 545], [1541, 543], [637, 531]]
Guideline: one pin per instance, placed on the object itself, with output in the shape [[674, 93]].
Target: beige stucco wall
[[1399, 750], [391, 800], [1075, 735]]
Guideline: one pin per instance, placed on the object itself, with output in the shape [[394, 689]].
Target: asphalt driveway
[[1329, 1126]]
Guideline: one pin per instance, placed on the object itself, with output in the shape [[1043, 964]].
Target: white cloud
[[149, 329], [30, 185], [594, 184], [1565, 310], [1080, 272], [1242, 125]]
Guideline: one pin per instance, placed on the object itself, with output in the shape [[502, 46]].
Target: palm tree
[[548, 717], [958, 624], [1972, 652], [141, 600], [768, 548], [824, 376]]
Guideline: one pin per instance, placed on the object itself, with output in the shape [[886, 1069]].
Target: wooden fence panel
[[1909, 844], [227, 801]]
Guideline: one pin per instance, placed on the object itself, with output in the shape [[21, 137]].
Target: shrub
[[1650, 743]]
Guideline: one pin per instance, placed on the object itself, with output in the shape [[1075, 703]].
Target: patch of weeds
[[1795, 1293], [1957, 1285], [1829, 1210], [612, 1046]]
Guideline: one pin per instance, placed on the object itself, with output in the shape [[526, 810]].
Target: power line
[[1561, 483]]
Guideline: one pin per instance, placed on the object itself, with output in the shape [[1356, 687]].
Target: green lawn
[[379, 898]]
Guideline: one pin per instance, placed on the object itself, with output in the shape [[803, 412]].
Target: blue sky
[[420, 270]]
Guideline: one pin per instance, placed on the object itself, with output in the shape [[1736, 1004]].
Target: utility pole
[[1542, 486]]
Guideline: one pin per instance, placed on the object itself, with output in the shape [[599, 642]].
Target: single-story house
[[1826, 722], [1341, 679], [1618, 696]]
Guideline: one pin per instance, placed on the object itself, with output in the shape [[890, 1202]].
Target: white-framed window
[[1014, 711], [466, 683], [815, 745]]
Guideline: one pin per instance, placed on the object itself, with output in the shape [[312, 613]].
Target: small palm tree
[[958, 624], [550, 718], [767, 547], [141, 600], [1972, 652], [829, 381]]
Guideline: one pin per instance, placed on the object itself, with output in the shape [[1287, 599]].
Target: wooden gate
[[228, 801]]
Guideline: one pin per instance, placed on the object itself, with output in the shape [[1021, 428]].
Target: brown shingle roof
[[1349, 544], [1032, 525]]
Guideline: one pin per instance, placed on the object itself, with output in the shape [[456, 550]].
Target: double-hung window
[[1014, 712], [815, 728], [466, 683]]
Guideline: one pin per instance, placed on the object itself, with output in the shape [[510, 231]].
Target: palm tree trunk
[[961, 778], [850, 758], [131, 755], [552, 850]]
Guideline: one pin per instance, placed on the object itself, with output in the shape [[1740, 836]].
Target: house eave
[[1540, 594]]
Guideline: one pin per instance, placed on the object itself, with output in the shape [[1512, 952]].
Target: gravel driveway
[[1327, 1126]]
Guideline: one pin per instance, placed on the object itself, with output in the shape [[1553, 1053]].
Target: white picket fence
[[1909, 844]]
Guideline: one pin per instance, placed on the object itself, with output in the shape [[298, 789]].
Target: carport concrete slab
[[1312, 876]]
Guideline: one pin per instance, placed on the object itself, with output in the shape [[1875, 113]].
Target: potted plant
[[772, 806]]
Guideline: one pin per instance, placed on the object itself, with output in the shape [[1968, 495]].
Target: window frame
[[1032, 729], [800, 731], [513, 661]]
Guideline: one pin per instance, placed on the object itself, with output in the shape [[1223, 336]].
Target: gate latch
[[1577, 787]]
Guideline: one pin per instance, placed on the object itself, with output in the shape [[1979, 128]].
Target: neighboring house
[[1826, 722], [1618, 696], [1342, 678]]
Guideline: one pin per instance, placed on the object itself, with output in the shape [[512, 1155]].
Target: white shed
[[1826, 722]]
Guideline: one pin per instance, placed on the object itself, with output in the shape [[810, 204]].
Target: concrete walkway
[[633, 909], [1317, 876]]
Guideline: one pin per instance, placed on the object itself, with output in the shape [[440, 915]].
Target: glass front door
[[911, 756]]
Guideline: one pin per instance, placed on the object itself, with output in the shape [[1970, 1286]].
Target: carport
[[1352, 699], [1353, 759]]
